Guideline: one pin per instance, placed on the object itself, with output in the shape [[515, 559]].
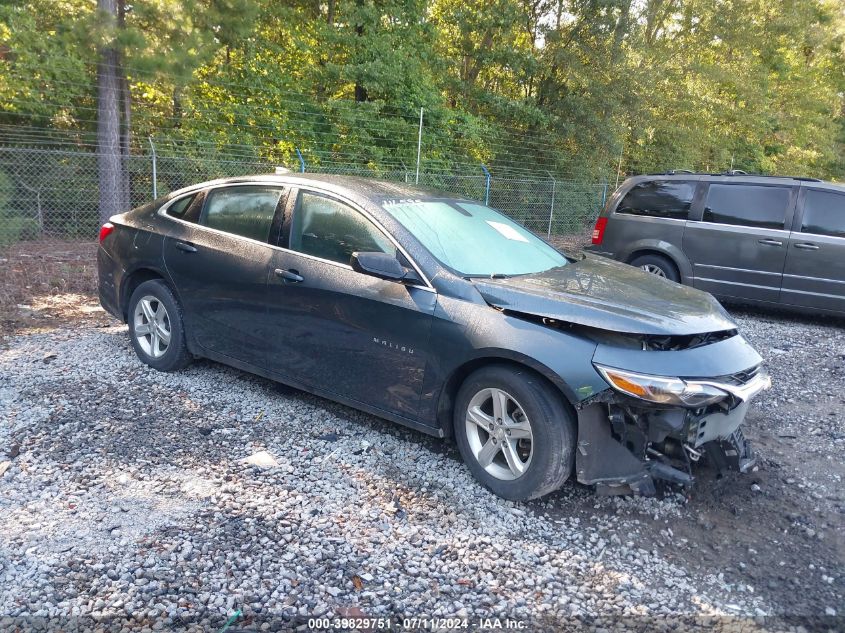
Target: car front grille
[[742, 377]]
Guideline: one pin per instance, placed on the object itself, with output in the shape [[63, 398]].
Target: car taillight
[[106, 230], [598, 230]]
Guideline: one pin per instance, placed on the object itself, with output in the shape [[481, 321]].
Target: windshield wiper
[[490, 276]]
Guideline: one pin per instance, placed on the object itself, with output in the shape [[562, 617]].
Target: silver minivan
[[750, 239]]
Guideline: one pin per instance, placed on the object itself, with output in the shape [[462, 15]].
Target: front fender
[[466, 334]]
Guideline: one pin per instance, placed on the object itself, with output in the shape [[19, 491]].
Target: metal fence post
[[419, 149], [619, 166], [551, 206], [301, 160], [155, 177], [486, 185]]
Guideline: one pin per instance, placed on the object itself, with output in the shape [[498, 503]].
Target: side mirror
[[381, 265]]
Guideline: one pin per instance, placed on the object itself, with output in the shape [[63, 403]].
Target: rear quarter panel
[[135, 244], [627, 236], [639, 235]]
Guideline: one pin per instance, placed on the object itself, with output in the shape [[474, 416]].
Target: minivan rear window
[[747, 205], [824, 213], [659, 198]]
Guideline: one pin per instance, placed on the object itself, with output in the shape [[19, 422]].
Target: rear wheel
[[657, 265], [156, 327], [514, 432]]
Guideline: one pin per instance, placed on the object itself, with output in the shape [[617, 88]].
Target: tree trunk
[[109, 167], [620, 31], [360, 90]]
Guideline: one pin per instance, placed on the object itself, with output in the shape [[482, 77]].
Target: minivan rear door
[[737, 240], [814, 276]]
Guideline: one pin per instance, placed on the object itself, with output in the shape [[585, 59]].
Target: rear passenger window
[[824, 213], [659, 198], [178, 208], [747, 205], [246, 211]]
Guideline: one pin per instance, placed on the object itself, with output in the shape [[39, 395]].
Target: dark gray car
[[751, 239], [442, 315]]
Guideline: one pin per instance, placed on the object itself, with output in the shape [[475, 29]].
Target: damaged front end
[[648, 429], [676, 376]]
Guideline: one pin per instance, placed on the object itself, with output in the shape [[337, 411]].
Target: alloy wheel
[[499, 434], [654, 270], [152, 326]]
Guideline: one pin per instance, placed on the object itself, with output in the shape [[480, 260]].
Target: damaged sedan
[[443, 315]]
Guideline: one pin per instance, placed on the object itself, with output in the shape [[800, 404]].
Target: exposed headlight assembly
[[662, 390]]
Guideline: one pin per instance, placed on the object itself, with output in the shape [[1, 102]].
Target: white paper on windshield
[[507, 231]]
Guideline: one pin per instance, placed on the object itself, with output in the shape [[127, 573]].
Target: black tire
[[551, 423], [659, 262], [176, 354]]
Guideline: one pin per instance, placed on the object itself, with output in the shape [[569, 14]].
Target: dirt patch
[[45, 283], [574, 242]]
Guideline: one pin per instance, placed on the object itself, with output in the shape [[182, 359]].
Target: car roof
[[370, 188], [740, 178]]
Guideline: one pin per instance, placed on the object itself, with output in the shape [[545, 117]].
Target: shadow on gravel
[[781, 315]]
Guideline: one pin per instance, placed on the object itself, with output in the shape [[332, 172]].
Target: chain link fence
[[50, 194]]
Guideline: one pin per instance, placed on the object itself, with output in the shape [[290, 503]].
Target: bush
[[15, 228]]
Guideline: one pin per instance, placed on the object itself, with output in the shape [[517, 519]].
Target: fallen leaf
[[4, 466]]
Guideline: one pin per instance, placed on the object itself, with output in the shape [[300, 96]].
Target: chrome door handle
[[184, 246], [289, 275], [771, 242], [807, 247]]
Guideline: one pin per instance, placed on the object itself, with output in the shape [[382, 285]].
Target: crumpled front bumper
[[626, 445]]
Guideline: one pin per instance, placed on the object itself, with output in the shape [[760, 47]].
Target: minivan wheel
[[514, 432], [156, 328], [657, 265]]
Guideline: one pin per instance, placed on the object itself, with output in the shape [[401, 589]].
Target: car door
[[737, 242], [814, 276], [338, 330], [219, 263]]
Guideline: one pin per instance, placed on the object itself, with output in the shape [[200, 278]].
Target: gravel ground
[[163, 501]]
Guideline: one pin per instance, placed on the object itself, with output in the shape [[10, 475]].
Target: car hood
[[604, 294]]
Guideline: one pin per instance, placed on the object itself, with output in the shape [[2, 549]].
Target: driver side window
[[328, 229]]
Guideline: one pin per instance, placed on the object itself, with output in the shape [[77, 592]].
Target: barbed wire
[[493, 135]]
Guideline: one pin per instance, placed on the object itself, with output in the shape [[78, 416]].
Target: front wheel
[[156, 327], [514, 432]]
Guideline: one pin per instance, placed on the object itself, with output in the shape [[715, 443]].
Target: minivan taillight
[[106, 230], [598, 230]]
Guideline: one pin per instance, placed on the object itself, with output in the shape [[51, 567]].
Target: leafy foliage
[[568, 86]]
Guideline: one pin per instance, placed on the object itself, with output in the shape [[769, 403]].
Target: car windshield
[[474, 240]]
